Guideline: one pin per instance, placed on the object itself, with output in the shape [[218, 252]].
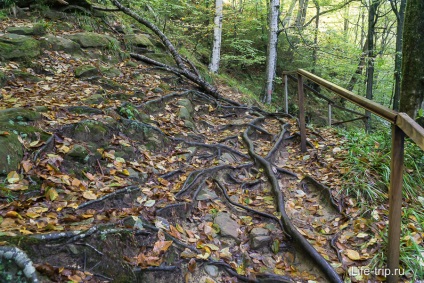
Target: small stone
[[229, 227], [260, 242], [206, 194], [256, 232], [133, 174], [157, 90], [78, 152], [211, 270], [259, 238]]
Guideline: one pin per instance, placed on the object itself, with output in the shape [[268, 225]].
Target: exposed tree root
[[289, 228], [21, 260]]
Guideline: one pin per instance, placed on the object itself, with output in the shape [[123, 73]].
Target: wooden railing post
[[395, 203], [286, 94], [302, 125]]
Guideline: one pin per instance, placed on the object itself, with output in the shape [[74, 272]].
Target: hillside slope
[[118, 171]]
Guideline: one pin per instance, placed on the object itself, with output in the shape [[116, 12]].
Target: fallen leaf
[[353, 255], [89, 195]]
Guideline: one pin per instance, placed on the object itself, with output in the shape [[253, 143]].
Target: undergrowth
[[368, 159]]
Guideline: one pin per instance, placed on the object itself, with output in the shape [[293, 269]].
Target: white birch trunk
[[216, 49], [272, 49]]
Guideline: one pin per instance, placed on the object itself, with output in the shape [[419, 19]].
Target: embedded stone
[[228, 226]]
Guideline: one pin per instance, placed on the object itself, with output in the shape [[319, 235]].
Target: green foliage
[[243, 54], [369, 163], [129, 111]]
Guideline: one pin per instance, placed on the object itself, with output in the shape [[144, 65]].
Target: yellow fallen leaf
[[13, 214], [89, 195], [353, 255], [13, 177], [52, 194]]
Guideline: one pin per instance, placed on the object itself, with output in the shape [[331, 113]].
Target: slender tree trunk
[[288, 17], [359, 69], [314, 52], [370, 63], [216, 49], [400, 16], [301, 13], [412, 86], [271, 64]]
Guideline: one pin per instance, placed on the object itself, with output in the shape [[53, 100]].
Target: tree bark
[[217, 31], [400, 16], [271, 64], [372, 20], [314, 52], [412, 86]]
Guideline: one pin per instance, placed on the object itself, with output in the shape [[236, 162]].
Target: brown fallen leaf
[[192, 265]]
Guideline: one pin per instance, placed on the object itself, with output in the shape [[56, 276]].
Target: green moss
[[11, 153], [86, 71], [14, 46]]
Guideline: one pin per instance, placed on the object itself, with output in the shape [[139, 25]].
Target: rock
[[256, 232], [86, 71], [212, 270], [157, 90], [57, 43], [15, 46], [133, 174], [111, 72], [228, 226], [11, 153], [37, 29], [27, 77], [137, 40], [184, 113], [3, 79], [94, 99], [259, 238], [93, 40], [78, 152], [187, 104], [89, 131], [206, 194], [260, 242]]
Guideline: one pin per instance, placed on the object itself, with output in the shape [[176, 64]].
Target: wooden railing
[[402, 125]]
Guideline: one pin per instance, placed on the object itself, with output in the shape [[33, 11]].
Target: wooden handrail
[[370, 105], [411, 128]]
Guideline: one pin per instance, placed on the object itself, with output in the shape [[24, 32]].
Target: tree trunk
[[370, 64], [400, 16], [217, 31], [287, 18], [271, 64], [301, 13], [412, 86], [314, 52]]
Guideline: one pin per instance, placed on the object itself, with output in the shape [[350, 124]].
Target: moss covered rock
[[37, 29], [86, 71], [93, 40], [57, 43], [138, 40], [11, 153], [15, 46]]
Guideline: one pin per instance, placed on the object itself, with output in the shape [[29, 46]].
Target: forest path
[[130, 174]]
